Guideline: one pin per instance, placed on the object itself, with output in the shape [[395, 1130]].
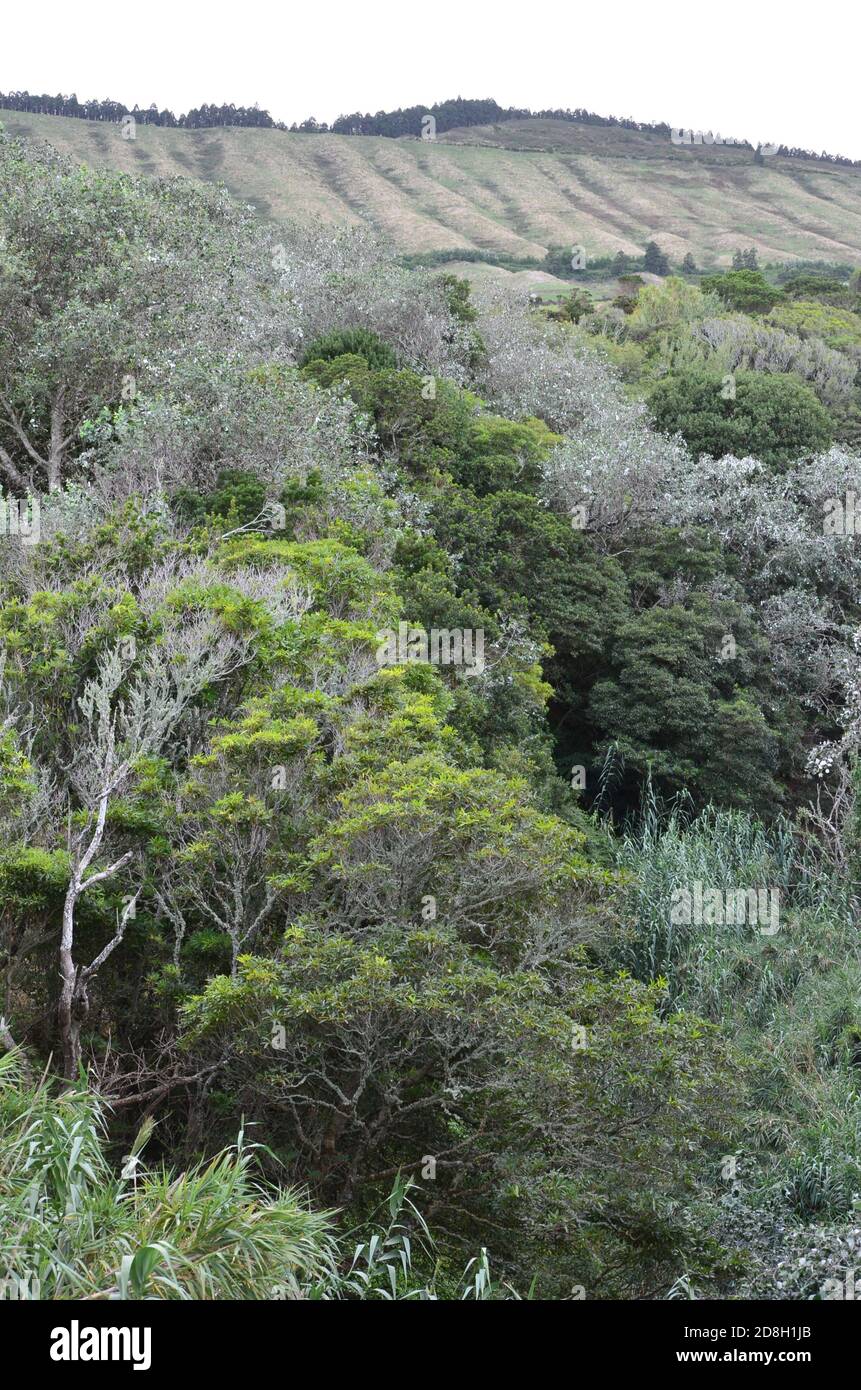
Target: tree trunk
[[55, 458], [70, 1026], [15, 476]]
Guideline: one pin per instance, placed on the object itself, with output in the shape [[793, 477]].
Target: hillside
[[430, 755], [513, 188]]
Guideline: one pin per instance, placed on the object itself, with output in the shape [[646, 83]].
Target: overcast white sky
[[754, 69]]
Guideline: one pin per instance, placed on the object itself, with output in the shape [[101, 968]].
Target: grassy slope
[[513, 188]]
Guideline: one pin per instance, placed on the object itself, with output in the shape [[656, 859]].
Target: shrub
[[747, 290], [358, 342], [773, 418]]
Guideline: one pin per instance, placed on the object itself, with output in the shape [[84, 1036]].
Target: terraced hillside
[[512, 188]]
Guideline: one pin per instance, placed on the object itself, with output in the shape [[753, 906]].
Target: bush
[[838, 328], [747, 290], [773, 418], [821, 287], [358, 342]]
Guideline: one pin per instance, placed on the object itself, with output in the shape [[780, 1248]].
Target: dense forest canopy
[[429, 751]]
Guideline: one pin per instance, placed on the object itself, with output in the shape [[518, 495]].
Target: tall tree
[[655, 261], [104, 283]]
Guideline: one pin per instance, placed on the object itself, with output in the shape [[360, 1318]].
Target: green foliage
[[458, 294], [437, 429], [16, 785], [669, 307], [79, 1230], [436, 1022], [773, 418], [837, 327], [557, 261], [631, 286], [349, 370], [354, 342], [396, 1259], [238, 498], [806, 286], [578, 304], [790, 997], [513, 547], [746, 290], [675, 706], [417, 918], [655, 261]]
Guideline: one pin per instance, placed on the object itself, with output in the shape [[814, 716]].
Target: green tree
[[513, 547], [109, 288], [655, 262], [458, 294], [677, 708], [746, 290], [578, 304], [824, 287], [773, 418], [839, 328]]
